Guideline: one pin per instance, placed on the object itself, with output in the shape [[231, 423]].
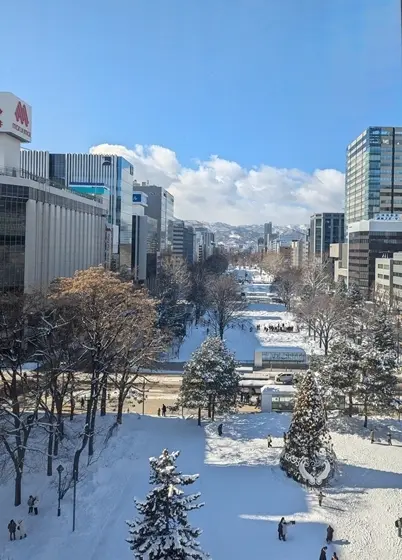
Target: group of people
[[279, 327], [163, 410], [16, 529], [283, 531], [372, 437]]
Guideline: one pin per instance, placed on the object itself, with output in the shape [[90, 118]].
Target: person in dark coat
[[163, 410], [389, 438], [323, 555], [334, 556], [330, 534], [220, 429], [280, 529], [12, 526], [30, 505]]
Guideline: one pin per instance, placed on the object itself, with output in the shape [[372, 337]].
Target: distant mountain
[[247, 235]]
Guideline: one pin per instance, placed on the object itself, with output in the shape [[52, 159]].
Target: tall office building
[[205, 242], [184, 242], [325, 229], [46, 229], [369, 240], [161, 208], [108, 176], [374, 174]]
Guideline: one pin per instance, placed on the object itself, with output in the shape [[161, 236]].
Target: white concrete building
[[46, 229]]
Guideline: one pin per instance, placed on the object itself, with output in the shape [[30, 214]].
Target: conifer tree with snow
[[340, 372], [162, 531], [210, 379], [308, 437], [378, 363]]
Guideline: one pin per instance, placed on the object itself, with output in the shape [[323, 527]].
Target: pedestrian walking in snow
[[269, 440], [30, 505], [163, 410], [372, 436], [334, 556], [159, 411], [220, 429], [35, 505], [20, 530], [82, 402], [11, 529], [389, 438], [320, 498], [323, 555], [280, 529], [330, 534]]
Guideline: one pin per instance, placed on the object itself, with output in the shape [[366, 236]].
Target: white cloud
[[221, 190]]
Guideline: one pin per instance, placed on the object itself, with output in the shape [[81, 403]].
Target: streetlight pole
[[143, 396], [60, 469]]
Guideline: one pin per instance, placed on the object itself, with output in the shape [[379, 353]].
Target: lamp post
[[60, 469]]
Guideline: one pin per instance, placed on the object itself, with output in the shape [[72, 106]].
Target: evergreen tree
[[355, 296], [340, 372], [163, 531], [308, 436], [378, 364], [210, 379]]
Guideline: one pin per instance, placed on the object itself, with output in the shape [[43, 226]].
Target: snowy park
[[252, 329], [244, 490]]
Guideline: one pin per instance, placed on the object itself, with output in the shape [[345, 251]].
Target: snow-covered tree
[[340, 372], [210, 378], [163, 531], [378, 363], [308, 437], [224, 303], [355, 297]]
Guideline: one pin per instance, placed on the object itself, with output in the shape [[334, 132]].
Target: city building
[[184, 242], [370, 240], [46, 229], [267, 234], [160, 208], [299, 252], [338, 253], [388, 279], [205, 242], [325, 228], [373, 174], [108, 176]]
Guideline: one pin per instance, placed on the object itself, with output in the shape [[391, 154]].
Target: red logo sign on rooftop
[[21, 114]]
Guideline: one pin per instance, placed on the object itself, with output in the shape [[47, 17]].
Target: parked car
[[285, 378]]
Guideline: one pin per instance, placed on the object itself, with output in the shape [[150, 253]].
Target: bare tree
[[19, 399], [273, 264], [197, 292], [286, 284], [141, 344], [103, 304], [224, 303], [330, 316]]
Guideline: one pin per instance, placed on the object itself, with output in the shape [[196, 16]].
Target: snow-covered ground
[[243, 342], [242, 485]]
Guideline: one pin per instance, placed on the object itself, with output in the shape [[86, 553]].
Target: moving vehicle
[[285, 378]]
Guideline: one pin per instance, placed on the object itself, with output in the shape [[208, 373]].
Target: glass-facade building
[[325, 229], [85, 171], [374, 174], [160, 208]]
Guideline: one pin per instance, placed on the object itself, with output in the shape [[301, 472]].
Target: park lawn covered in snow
[[244, 490], [242, 342]]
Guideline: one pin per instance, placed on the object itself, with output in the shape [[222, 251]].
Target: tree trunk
[[120, 404], [59, 431], [326, 345], [72, 405], [17, 488], [91, 443], [350, 405], [221, 331], [199, 416], [103, 399], [209, 406], [50, 441], [365, 413], [213, 408]]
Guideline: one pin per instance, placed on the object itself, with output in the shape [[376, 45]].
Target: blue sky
[[284, 83]]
